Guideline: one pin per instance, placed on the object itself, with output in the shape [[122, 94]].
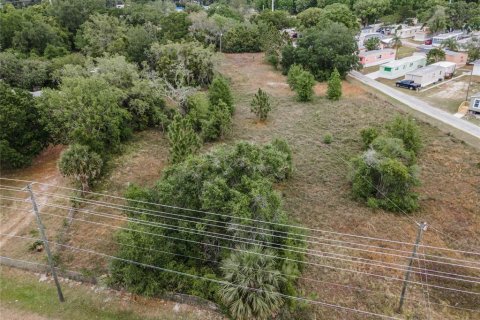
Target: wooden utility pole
[[421, 228], [45, 243]]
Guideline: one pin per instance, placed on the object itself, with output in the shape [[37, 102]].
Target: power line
[[213, 261], [282, 258], [141, 211], [223, 215], [226, 283], [274, 246], [271, 245]]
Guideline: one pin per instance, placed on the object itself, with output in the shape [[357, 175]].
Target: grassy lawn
[[21, 292], [405, 51]]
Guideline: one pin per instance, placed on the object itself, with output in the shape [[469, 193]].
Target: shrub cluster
[[235, 182], [302, 82], [385, 173]]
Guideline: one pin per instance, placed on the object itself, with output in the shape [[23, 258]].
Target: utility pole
[[45, 243], [273, 5], [421, 228], [221, 35], [469, 83]]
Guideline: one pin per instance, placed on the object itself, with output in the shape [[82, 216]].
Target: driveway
[[421, 106]]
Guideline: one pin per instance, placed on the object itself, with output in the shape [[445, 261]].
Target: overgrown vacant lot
[[317, 196]]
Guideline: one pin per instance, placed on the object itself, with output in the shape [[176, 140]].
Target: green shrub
[[406, 129], [220, 90], [82, 164], [219, 122], [368, 135], [293, 73], [234, 181], [242, 38], [384, 176], [261, 105], [22, 135], [182, 139], [334, 91], [327, 139], [304, 86]]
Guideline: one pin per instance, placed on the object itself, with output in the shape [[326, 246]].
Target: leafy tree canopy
[[22, 136]]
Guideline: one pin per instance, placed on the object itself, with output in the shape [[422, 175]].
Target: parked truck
[[409, 84]]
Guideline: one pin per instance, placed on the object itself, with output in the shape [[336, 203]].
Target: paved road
[[420, 106]]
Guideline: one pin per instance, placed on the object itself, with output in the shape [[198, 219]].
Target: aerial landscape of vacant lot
[[234, 160]]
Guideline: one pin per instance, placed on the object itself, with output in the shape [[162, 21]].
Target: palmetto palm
[[450, 44], [254, 293], [396, 43]]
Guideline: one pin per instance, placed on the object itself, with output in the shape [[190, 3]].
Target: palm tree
[[254, 285], [450, 44], [396, 43]]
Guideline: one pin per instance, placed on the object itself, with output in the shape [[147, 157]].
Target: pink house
[[459, 58], [376, 57]]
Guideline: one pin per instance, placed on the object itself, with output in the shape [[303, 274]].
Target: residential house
[[399, 68], [474, 103], [426, 76], [376, 57], [439, 39], [407, 31], [422, 35], [476, 68], [448, 67], [459, 58]]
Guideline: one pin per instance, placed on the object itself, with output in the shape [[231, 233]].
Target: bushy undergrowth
[[235, 184], [385, 174]]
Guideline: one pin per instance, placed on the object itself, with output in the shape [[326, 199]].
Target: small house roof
[[453, 53], [448, 35], [375, 52], [425, 70], [400, 62], [445, 64]]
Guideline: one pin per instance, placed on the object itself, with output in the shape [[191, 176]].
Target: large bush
[[234, 182], [321, 50], [86, 111], [220, 91], [242, 38], [303, 86], [30, 74], [385, 174], [22, 136], [197, 61]]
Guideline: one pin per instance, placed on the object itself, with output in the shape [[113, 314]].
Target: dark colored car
[[409, 84], [428, 42]]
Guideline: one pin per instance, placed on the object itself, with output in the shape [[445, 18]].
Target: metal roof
[[400, 62], [424, 70]]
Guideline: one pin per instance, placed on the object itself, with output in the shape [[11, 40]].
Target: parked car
[[428, 42], [409, 84]]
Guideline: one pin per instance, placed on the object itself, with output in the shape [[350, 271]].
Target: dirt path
[[15, 216]]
